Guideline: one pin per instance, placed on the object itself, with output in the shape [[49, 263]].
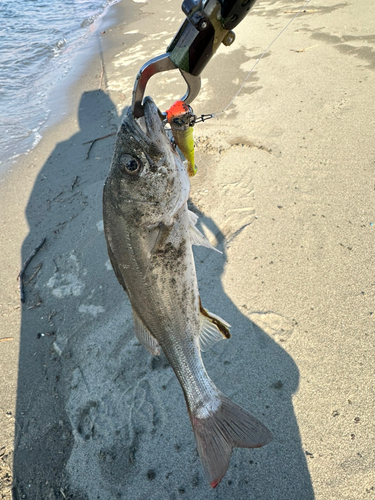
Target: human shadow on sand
[[99, 418]]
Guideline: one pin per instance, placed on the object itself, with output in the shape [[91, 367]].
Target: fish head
[[147, 180]]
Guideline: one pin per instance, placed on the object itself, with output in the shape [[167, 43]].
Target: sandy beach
[[285, 189]]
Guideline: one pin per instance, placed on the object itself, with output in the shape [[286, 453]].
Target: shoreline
[[285, 190], [59, 103]]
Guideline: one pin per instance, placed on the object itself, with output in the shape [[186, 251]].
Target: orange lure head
[[180, 116]]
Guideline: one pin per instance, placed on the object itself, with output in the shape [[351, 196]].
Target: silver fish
[[150, 232]]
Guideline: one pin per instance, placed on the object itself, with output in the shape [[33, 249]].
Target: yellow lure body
[[184, 140]]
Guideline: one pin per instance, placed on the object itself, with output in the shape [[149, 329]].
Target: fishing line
[[214, 115]]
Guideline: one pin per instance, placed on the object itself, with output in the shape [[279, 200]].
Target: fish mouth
[[152, 122], [147, 131]]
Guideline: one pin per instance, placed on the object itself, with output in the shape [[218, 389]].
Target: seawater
[[38, 41]]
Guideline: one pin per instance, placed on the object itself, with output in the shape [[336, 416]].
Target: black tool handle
[[191, 49], [207, 24], [233, 12]]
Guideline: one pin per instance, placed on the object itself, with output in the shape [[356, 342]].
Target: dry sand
[[285, 188]]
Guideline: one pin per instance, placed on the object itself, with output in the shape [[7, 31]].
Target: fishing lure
[[181, 119]]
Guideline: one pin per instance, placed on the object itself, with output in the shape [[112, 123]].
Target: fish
[[180, 117], [149, 232]]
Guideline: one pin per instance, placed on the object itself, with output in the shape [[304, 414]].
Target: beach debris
[[60, 226], [58, 196], [24, 267], [58, 350], [51, 315], [304, 50], [37, 269], [6, 339], [37, 302], [75, 181], [94, 141], [56, 266], [47, 334], [300, 11], [150, 232]]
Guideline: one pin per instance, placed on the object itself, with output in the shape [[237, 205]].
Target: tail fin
[[222, 430]]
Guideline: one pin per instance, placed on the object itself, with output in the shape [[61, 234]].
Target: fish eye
[[130, 165]]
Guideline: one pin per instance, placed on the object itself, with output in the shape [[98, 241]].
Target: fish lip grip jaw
[[208, 23], [157, 65]]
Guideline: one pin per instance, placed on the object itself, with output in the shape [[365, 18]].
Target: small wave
[[60, 44], [89, 20], [37, 139], [36, 53]]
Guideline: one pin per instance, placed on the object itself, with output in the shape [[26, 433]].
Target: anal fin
[[213, 329], [144, 336]]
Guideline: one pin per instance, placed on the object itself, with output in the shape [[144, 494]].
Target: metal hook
[[158, 65]]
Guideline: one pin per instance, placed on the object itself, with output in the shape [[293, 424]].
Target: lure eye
[[178, 121], [130, 165]]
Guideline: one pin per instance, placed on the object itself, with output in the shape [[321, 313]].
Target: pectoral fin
[[115, 268], [196, 237], [213, 329], [144, 336], [152, 237]]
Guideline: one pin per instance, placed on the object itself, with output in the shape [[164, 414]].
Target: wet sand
[[285, 189]]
